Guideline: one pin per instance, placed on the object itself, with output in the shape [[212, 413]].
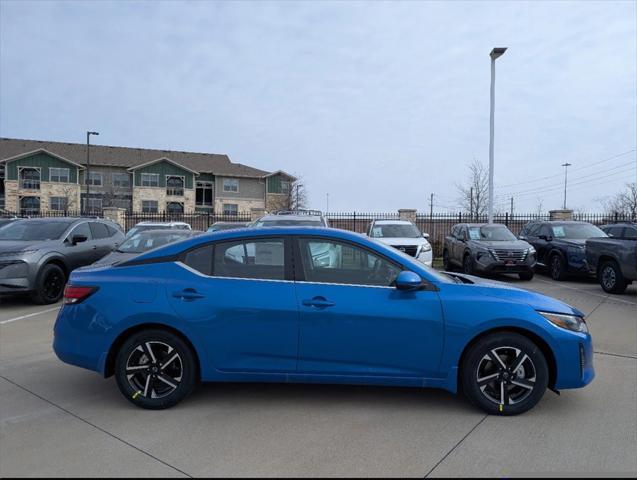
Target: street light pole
[[88, 169], [495, 53], [565, 165]]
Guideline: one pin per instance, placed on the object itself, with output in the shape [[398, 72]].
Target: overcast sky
[[378, 104]]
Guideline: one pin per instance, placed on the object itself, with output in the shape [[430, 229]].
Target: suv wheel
[[504, 374], [610, 277], [49, 285], [155, 369], [557, 267]]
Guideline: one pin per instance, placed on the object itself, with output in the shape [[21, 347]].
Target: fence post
[[506, 218], [354, 226]]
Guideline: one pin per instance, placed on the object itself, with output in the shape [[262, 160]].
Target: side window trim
[[75, 227]]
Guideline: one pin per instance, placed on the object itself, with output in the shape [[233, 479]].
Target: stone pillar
[[561, 214], [256, 213], [117, 215], [408, 214]]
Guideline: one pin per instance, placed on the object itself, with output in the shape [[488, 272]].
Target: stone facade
[[47, 190], [159, 194], [276, 201], [561, 214], [243, 205]]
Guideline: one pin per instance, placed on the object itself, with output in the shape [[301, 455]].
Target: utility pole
[[565, 165], [471, 203], [431, 216], [88, 170], [495, 53], [511, 207]]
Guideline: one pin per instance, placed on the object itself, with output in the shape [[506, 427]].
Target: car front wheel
[[155, 369], [557, 267], [610, 277], [49, 285], [504, 374]]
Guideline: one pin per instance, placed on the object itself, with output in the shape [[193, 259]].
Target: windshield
[[33, 231], [577, 231], [226, 226], [288, 223], [144, 228], [145, 241], [491, 233], [396, 230]]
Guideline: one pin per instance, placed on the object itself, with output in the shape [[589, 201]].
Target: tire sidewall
[[189, 375], [619, 285], [38, 295], [472, 361], [467, 264], [556, 259]]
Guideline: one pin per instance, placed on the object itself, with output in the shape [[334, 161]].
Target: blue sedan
[[315, 305]]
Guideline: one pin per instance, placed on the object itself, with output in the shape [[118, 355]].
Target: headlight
[[569, 322], [17, 253], [531, 251], [425, 248]]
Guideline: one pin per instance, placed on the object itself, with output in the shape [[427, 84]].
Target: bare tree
[[474, 195], [297, 198], [539, 208], [624, 203]]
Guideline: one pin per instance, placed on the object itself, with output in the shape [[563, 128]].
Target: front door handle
[[188, 294], [94, 247], [318, 302]]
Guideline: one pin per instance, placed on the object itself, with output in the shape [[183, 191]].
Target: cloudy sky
[[378, 104]]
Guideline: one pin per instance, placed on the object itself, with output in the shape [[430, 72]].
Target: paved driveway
[[58, 420]]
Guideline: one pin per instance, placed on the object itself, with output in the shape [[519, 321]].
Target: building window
[[30, 179], [174, 186], [93, 204], [59, 203], [150, 179], [203, 194], [230, 209], [230, 185], [175, 207], [121, 180], [60, 175], [285, 187], [94, 178], [29, 205], [150, 206]]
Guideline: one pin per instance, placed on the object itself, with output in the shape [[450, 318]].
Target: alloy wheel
[[556, 267], [154, 369], [53, 285], [506, 375], [609, 278]]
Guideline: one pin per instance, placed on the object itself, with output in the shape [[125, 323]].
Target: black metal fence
[[197, 221]]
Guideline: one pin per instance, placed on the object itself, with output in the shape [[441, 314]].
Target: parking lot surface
[[58, 420]]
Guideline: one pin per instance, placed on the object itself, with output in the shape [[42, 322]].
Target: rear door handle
[[318, 302], [188, 294]]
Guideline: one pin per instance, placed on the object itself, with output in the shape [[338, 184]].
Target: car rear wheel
[[504, 374], [610, 277], [49, 285], [557, 267], [446, 264], [155, 369]]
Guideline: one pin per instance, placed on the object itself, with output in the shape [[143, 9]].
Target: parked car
[[219, 226], [143, 226], [621, 230], [315, 305], [37, 255], [481, 248], [6, 221], [144, 241], [561, 245], [296, 218], [404, 236], [614, 259]]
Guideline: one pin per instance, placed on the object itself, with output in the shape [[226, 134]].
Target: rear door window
[[81, 229], [99, 230], [251, 258]]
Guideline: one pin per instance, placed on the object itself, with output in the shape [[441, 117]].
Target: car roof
[[151, 223], [315, 218], [393, 222], [168, 231]]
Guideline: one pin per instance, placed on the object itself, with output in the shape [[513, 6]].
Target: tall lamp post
[[565, 165], [495, 53], [88, 167]]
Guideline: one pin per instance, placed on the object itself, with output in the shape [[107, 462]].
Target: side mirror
[[78, 239], [426, 235], [542, 237], [408, 280]]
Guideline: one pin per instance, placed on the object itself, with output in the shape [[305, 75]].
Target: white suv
[[143, 226], [404, 236]]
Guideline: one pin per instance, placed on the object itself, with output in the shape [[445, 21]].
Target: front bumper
[[575, 363], [14, 276], [486, 264], [426, 257]]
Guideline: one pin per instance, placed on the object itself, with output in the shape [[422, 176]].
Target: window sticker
[[558, 232], [474, 233]]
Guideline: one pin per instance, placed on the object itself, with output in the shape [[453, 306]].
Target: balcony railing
[[30, 184], [175, 192]]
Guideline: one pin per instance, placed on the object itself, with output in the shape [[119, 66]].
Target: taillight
[[76, 294]]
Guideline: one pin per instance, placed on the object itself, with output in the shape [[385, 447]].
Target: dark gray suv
[[488, 248], [38, 254]]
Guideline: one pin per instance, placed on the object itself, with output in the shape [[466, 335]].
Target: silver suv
[[38, 254]]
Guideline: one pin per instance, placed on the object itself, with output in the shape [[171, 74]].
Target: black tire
[[467, 264], [610, 277], [557, 267], [479, 362], [526, 275], [49, 285], [153, 384], [446, 263]]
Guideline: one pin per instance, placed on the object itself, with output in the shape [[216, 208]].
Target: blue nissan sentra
[[315, 305]]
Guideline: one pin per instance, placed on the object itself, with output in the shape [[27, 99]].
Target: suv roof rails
[[299, 212]]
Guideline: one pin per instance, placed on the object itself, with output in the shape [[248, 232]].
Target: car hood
[[508, 292], [114, 257], [402, 241], [506, 245], [570, 241]]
